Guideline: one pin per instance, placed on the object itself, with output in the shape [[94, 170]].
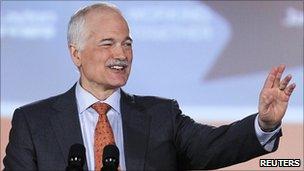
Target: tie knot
[[101, 108]]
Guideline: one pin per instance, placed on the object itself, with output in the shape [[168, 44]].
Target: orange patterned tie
[[103, 133]]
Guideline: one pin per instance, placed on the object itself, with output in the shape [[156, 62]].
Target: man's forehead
[[113, 29]]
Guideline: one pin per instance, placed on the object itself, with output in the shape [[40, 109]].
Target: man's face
[[106, 56]]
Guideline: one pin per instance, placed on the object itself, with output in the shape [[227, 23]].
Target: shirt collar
[[85, 99]]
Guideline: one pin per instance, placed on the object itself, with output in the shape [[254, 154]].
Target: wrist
[[268, 127]]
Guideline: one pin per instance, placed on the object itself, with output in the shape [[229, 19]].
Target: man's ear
[[74, 52]]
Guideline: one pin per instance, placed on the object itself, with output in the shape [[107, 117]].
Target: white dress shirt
[[88, 119], [264, 137]]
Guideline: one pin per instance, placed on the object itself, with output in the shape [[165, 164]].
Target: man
[[150, 132]]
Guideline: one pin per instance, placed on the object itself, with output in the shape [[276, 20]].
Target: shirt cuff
[[264, 137]]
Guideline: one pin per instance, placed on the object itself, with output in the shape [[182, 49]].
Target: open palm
[[274, 98]]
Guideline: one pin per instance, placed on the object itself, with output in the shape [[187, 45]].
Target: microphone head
[[76, 155], [110, 157]]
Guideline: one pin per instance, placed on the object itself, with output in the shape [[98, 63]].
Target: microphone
[[110, 158], [76, 158]]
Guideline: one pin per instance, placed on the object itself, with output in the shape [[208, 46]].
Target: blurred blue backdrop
[[213, 57]]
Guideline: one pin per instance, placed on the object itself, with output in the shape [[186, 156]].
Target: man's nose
[[119, 52]]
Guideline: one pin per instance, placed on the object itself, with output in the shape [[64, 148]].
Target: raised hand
[[274, 98]]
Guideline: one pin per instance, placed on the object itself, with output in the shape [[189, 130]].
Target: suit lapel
[[65, 122], [136, 125]]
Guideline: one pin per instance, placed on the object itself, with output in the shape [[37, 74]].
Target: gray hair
[[76, 33]]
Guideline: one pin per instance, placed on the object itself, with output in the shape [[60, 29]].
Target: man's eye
[[106, 44], [128, 44]]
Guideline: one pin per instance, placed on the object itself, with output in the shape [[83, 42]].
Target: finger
[[288, 91], [270, 78], [279, 74], [284, 82]]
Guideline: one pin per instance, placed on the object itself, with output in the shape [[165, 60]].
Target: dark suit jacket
[[157, 136]]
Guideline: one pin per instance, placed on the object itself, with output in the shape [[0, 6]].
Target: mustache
[[117, 62]]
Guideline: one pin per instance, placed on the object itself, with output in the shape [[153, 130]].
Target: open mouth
[[117, 67]]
